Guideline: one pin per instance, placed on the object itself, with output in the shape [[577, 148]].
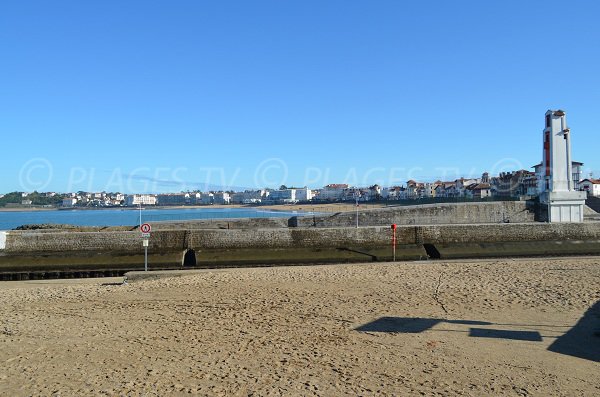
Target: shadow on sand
[[415, 325], [583, 340], [410, 325]]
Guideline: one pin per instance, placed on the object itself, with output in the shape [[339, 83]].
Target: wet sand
[[489, 327]]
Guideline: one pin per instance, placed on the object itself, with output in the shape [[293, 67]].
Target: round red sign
[[145, 228]]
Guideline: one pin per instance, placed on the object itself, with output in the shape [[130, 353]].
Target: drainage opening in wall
[[189, 258], [432, 252]]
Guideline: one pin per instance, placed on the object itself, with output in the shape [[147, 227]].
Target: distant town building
[[207, 198], [285, 196], [304, 194], [221, 198], [249, 196], [140, 199], [429, 189], [446, 189], [172, 199], [478, 191], [334, 192], [414, 190], [591, 187], [461, 185], [513, 184], [392, 193], [69, 202]]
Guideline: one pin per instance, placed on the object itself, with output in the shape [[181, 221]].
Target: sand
[[490, 327]]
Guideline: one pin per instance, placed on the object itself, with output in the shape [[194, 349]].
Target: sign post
[[145, 254], [394, 241], [357, 196], [145, 229]]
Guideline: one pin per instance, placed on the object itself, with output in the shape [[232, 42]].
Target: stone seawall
[[47, 251], [428, 214], [229, 223], [19, 242]]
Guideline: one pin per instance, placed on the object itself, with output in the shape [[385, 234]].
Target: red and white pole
[[394, 241]]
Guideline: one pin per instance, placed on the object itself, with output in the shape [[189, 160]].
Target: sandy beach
[[518, 327]]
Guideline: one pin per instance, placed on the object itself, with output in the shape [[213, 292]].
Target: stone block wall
[[282, 238], [429, 214]]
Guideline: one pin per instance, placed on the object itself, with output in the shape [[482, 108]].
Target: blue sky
[[167, 96]]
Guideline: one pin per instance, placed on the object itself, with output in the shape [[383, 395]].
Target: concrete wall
[[19, 242], [429, 214], [2, 240], [233, 223], [47, 251]]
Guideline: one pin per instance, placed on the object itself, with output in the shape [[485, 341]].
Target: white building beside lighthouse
[[558, 190]]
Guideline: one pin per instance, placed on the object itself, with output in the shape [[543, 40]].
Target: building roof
[[592, 181], [338, 186], [478, 186]]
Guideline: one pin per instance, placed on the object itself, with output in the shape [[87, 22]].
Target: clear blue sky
[[158, 96]]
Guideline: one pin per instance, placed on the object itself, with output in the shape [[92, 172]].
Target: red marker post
[[394, 241]]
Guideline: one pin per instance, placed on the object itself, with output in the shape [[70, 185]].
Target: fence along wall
[[428, 214], [20, 242]]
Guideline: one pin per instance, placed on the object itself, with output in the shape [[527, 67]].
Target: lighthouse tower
[[557, 187]]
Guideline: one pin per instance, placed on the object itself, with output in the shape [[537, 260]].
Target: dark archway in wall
[[432, 252], [189, 258]]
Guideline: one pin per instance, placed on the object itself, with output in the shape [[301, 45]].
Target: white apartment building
[[140, 199], [334, 192], [304, 194], [283, 196], [249, 196], [172, 199]]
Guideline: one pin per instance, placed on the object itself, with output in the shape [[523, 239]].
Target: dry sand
[[497, 327]]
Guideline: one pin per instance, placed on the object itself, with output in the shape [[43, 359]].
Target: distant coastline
[[27, 209], [318, 207], [153, 207]]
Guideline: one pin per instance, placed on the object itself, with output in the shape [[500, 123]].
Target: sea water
[[131, 216]]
